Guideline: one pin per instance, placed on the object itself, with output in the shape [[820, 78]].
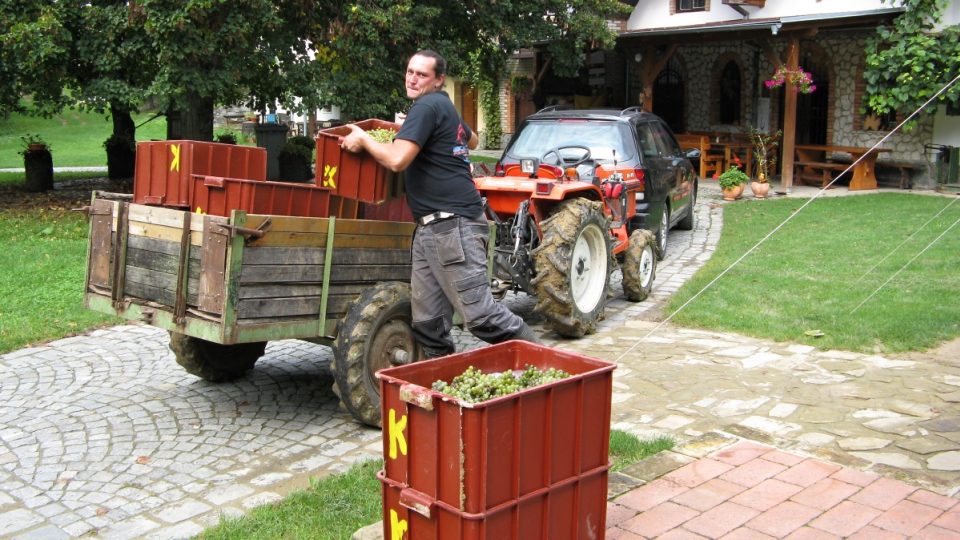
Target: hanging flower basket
[[799, 79]]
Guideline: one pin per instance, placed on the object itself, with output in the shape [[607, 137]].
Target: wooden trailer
[[224, 286]]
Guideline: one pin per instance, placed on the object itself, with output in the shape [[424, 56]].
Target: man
[[449, 246]]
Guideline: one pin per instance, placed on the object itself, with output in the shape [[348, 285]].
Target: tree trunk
[[121, 153], [191, 120]]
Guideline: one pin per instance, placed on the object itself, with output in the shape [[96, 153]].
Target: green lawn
[[813, 273], [75, 138]]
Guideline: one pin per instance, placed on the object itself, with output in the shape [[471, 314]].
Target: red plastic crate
[[164, 168], [353, 175], [219, 196], [573, 509], [478, 457]]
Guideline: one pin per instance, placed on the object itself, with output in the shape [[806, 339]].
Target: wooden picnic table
[[814, 158]]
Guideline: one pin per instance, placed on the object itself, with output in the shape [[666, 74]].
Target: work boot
[[526, 333]]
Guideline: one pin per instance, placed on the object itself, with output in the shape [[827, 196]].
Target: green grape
[[382, 135], [474, 386]]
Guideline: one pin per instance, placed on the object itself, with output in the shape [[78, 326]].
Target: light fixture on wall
[[775, 28], [638, 57]]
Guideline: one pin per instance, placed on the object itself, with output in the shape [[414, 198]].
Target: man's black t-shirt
[[439, 177]]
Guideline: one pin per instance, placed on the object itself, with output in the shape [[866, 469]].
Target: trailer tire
[[573, 264], [376, 327], [212, 361], [639, 266]]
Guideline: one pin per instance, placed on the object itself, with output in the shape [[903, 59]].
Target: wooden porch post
[[649, 69], [789, 119]]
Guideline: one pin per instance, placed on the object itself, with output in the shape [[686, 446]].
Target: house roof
[[773, 25]]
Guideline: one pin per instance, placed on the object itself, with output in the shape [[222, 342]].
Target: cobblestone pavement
[[102, 435]]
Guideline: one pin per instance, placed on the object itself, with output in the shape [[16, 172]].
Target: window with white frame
[[691, 5]]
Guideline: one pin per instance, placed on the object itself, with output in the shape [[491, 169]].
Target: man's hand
[[355, 140]]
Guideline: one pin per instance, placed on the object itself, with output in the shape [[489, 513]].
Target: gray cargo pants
[[450, 274]]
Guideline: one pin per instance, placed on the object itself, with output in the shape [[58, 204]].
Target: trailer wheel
[[212, 361], [639, 266], [374, 334], [573, 264]]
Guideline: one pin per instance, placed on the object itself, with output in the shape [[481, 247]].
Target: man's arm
[[395, 156], [474, 140]]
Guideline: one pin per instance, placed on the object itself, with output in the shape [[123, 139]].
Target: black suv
[[630, 137]]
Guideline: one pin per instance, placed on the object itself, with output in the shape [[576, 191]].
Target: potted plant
[[765, 153], [37, 163], [121, 156], [731, 182]]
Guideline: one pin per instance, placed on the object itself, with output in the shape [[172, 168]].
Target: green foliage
[[120, 141], [225, 137], [732, 177], [909, 63], [29, 140], [490, 104], [302, 140], [297, 151]]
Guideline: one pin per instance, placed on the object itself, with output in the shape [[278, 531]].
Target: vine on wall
[[490, 104]]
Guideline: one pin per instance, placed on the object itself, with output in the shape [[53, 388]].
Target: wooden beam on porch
[[789, 118], [649, 69]]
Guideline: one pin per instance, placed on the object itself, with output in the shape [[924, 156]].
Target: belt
[[436, 216]]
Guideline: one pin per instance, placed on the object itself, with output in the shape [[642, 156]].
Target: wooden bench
[[820, 172], [906, 169], [710, 163]]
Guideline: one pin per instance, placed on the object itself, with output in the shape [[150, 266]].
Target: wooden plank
[[161, 232], [291, 239], [101, 236], [213, 262], [168, 217], [268, 309], [312, 255], [319, 225], [163, 280], [276, 290], [314, 273]]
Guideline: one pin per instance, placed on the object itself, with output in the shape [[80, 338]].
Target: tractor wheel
[[639, 266], [214, 362], [573, 264], [374, 334]]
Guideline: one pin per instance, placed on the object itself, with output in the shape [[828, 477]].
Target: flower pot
[[760, 189], [733, 193]]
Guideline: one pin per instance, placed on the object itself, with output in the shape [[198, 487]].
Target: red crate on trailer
[[353, 175], [469, 462], [572, 509], [219, 196], [164, 168]]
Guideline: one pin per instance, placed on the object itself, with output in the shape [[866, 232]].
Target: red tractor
[[575, 194]]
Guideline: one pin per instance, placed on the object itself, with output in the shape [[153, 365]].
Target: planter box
[[164, 171], [356, 176], [449, 465]]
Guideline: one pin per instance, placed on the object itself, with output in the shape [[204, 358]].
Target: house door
[[668, 96], [812, 108], [469, 106]]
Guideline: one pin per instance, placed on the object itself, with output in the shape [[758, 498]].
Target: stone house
[[701, 65]]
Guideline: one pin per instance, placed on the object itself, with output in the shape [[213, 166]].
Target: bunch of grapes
[[382, 135], [474, 386]]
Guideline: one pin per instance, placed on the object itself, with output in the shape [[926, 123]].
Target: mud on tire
[[639, 266], [212, 361], [573, 264], [377, 325]]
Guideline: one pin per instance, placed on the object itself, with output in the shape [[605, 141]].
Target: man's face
[[421, 78]]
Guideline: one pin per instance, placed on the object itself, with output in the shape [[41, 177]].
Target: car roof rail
[[631, 110], [550, 108]]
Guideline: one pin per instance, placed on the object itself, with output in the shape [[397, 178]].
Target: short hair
[[440, 64]]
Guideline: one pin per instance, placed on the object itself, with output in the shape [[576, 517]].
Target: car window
[[602, 138], [665, 142], [648, 141]]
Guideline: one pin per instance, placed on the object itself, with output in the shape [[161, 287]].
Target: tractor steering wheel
[[560, 161]]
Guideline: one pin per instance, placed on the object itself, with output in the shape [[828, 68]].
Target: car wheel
[[686, 224], [663, 231]]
